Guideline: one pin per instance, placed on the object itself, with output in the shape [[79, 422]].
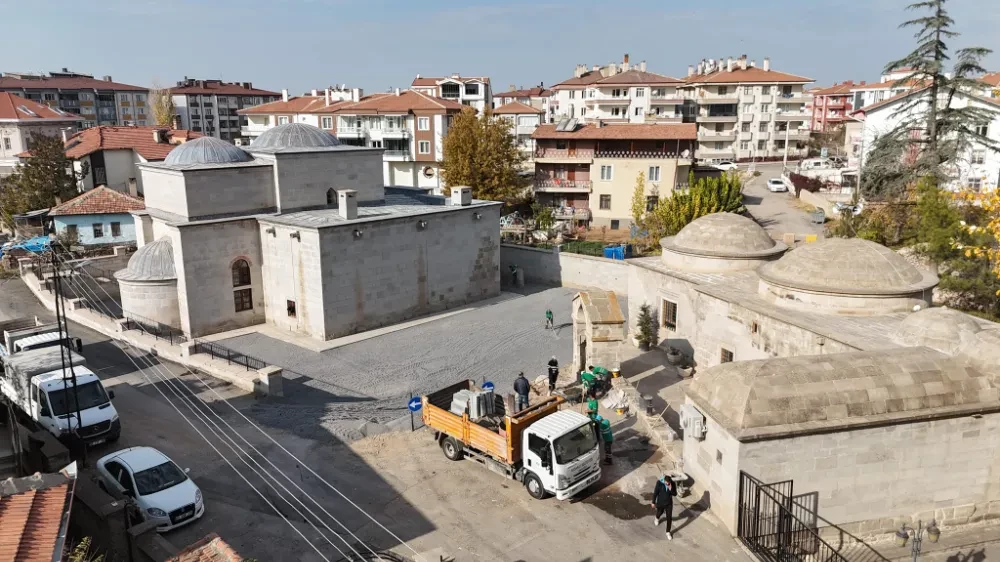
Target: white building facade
[[472, 91], [211, 107], [20, 119]]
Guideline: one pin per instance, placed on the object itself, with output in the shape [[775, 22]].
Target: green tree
[[646, 325], [639, 201], [161, 103], [723, 194], [42, 179], [544, 216], [481, 152], [939, 224]]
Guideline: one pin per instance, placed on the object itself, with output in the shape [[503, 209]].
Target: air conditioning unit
[[692, 422]]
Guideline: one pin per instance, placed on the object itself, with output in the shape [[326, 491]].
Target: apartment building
[[831, 107], [864, 95], [409, 125], [747, 112], [211, 107], [537, 97], [991, 84], [473, 91], [21, 119], [588, 172], [523, 120], [314, 109], [98, 101]]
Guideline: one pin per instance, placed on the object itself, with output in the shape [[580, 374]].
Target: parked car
[[775, 185], [161, 490], [725, 166]]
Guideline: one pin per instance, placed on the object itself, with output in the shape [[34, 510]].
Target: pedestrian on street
[[522, 388], [663, 502], [549, 323], [553, 373], [607, 435]]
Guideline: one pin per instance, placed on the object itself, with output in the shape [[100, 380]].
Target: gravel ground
[[372, 380]]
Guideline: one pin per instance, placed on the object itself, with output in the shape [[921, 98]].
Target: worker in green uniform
[[607, 436], [592, 408], [587, 377]]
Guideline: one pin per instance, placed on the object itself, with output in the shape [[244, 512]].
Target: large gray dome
[[294, 136], [206, 150], [152, 262], [723, 235]]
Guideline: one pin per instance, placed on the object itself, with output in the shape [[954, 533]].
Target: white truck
[[33, 381]]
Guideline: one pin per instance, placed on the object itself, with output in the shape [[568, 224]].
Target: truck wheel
[[451, 449], [534, 486]]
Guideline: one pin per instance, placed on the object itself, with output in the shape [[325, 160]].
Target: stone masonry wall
[[155, 300], [229, 191], [546, 267], [396, 271], [650, 287], [303, 179], [291, 271], [714, 464]]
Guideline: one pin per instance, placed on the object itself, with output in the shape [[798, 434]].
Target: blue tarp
[[34, 245], [618, 251]]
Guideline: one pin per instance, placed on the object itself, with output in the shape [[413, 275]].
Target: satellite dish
[[686, 153]]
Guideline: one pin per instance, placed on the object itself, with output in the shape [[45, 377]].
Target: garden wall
[[552, 267]]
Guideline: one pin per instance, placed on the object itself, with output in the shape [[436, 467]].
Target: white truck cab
[[561, 455]]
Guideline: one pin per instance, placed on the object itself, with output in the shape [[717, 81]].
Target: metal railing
[[217, 351], [153, 328], [544, 182], [403, 153], [564, 153], [636, 154]]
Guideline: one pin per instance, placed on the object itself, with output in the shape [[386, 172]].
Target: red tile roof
[[516, 108], [637, 78], [139, 139], [750, 75], [222, 88], [636, 131], [843, 88], [992, 79], [13, 106], [33, 514], [65, 83], [406, 101], [585, 79], [536, 92], [99, 201], [209, 549], [428, 81], [300, 104]]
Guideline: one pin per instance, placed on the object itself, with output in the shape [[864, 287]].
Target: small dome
[[152, 262], [847, 266], [723, 235], [294, 135], [206, 150], [942, 329]]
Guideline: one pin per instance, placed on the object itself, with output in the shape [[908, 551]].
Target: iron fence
[[217, 351], [153, 328]]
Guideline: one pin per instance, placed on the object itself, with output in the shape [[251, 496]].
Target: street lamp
[[904, 533]]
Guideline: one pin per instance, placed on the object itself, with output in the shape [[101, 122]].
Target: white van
[[815, 164]]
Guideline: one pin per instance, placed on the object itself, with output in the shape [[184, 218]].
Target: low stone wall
[[817, 200], [552, 267]]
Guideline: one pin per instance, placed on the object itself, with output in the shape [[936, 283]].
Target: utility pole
[[784, 163], [65, 355]]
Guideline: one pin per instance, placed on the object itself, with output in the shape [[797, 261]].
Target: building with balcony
[[537, 97], [211, 107], [832, 106], [21, 119], [315, 109], [98, 101], [523, 119], [745, 112], [588, 172], [472, 91], [866, 94]]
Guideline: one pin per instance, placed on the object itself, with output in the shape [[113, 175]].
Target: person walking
[[663, 502], [553, 373], [522, 388], [549, 322]]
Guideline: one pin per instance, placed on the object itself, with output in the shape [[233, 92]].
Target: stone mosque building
[[826, 365], [298, 231]]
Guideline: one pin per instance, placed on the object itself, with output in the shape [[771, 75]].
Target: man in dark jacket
[[663, 502], [553, 373], [522, 388]]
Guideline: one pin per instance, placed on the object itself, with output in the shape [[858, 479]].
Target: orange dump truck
[[551, 451]]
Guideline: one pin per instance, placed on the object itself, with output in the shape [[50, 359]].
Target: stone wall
[[153, 300], [165, 190], [648, 286], [303, 179], [243, 189], [714, 464], [548, 267], [292, 271]]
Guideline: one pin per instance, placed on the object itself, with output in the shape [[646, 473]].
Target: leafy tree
[[639, 200], [939, 223], [39, 181], [481, 152], [162, 106], [544, 216], [723, 194], [646, 326]]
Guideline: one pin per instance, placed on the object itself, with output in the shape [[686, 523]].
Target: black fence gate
[[778, 526]]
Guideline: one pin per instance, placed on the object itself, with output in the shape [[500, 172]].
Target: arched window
[[331, 197], [241, 273]]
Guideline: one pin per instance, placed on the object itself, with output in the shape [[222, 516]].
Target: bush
[[812, 185], [646, 326]]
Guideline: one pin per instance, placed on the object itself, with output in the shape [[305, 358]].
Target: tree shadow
[[972, 555]]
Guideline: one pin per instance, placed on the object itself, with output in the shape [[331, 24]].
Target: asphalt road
[[776, 212]]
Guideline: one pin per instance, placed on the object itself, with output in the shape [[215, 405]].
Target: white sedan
[[161, 490], [725, 166], [775, 185]]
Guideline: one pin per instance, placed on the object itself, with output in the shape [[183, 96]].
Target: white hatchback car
[[775, 185], [162, 491]]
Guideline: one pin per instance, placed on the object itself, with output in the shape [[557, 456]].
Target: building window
[[745, 127], [290, 307], [50, 97], [615, 224], [744, 145], [761, 145], [763, 126], [241, 273], [6, 143], [98, 230], [472, 89], [719, 145], [616, 111], [424, 147], [572, 94], [983, 130], [747, 90], [327, 122], [605, 202], [651, 201], [975, 184], [638, 111], [283, 120], [640, 92], [723, 90], [654, 173], [668, 311], [978, 157], [243, 299], [726, 356], [331, 197], [583, 111], [72, 233], [423, 123], [747, 107], [765, 107], [116, 229], [607, 172], [754, 328], [765, 90]]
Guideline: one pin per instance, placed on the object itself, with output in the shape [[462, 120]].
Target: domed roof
[[847, 266], [294, 136], [206, 150], [942, 329], [724, 235], [152, 262]]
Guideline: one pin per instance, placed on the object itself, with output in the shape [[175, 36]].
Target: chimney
[[160, 136], [690, 70], [347, 204], [418, 75], [65, 69], [625, 58], [65, 135], [642, 66], [107, 78], [461, 196], [862, 82], [753, 63], [581, 69], [326, 94], [355, 93], [598, 124], [177, 122], [729, 64], [284, 95], [397, 91], [612, 69], [594, 68], [314, 93], [767, 63]]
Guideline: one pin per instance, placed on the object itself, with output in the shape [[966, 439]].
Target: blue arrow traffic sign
[[488, 385], [414, 404]]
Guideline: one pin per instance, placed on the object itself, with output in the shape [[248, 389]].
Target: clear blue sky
[[375, 44]]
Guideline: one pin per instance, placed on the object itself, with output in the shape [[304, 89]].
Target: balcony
[[397, 155], [747, 98], [666, 100], [714, 99], [559, 185], [716, 153], [726, 118], [526, 129], [792, 116], [608, 100], [664, 118], [794, 134], [561, 155], [253, 130], [569, 213], [717, 135], [766, 98], [351, 131], [765, 117], [657, 154]]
